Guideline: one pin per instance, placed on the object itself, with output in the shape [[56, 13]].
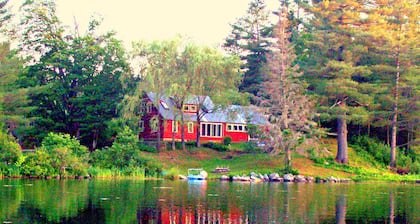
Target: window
[[211, 130], [149, 107], [164, 105], [190, 127], [236, 128], [229, 127], [190, 108], [174, 126], [193, 108], [154, 124], [141, 125]]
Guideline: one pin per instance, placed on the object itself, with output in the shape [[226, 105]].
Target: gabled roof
[[231, 114]]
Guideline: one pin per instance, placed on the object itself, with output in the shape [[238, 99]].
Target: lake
[[152, 201]]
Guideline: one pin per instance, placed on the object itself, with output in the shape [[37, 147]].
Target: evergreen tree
[[289, 108], [393, 28], [335, 68], [250, 39]]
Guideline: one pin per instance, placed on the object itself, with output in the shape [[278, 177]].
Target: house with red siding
[[215, 123]]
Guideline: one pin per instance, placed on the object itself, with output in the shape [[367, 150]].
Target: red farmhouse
[[215, 124]]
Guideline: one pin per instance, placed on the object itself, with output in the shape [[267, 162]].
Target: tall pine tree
[[250, 40], [334, 67]]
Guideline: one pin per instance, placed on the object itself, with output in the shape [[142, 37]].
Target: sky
[[202, 21]]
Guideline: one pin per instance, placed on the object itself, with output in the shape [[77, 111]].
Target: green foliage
[[146, 148], [124, 156], [227, 140], [374, 147], [251, 147], [10, 154], [59, 155], [75, 82], [216, 146], [381, 153], [289, 170]]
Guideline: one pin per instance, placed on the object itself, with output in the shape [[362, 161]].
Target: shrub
[[10, 151], [251, 147], [59, 155], [227, 140], [146, 148], [216, 146], [124, 156]]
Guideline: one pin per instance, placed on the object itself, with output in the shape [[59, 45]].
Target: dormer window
[[190, 108]]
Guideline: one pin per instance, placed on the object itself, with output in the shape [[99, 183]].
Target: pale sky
[[203, 21]]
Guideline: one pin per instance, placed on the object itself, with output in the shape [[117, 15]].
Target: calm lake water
[[132, 201]]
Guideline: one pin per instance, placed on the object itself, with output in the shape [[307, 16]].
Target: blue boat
[[196, 174]]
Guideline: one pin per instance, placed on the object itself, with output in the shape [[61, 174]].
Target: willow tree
[[289, 108], [394, 28], [335, 69], [157, 67], [215, 75]]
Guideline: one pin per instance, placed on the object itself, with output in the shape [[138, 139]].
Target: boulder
[[288, 177], [266, 177], [332, 179], [256, 179], [182, 177], [224, 178], [310, 179], [300, 179], [274, 177]]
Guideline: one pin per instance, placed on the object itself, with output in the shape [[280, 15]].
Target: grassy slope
[[177, 162]]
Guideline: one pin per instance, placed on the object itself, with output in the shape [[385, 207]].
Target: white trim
[[174, 126], [211, 129], [236, 128], [190, 127]]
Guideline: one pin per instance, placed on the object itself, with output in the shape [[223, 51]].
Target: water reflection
[[126, 201]]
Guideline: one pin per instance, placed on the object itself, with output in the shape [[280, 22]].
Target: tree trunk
[[393, 163], [198, 143], [288, 159], [182, 132], [158, 143], [342, 155], [173, 137], [95, 139]]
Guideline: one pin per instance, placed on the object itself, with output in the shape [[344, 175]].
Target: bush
[[10, 151], [252, 147], [146, 148], [124, 156], [381, 153], [227, 140], [59, 155], [216, 146]]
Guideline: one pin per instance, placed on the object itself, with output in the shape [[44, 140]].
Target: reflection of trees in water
[[340, 209], [10, 199], [128, 201]]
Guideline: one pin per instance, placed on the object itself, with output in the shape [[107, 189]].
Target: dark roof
[[231, 114]]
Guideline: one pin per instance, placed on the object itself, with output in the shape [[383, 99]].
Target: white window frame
[[154, 127], [210, 128], [236, 128], [174, 126], [190, 127]]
